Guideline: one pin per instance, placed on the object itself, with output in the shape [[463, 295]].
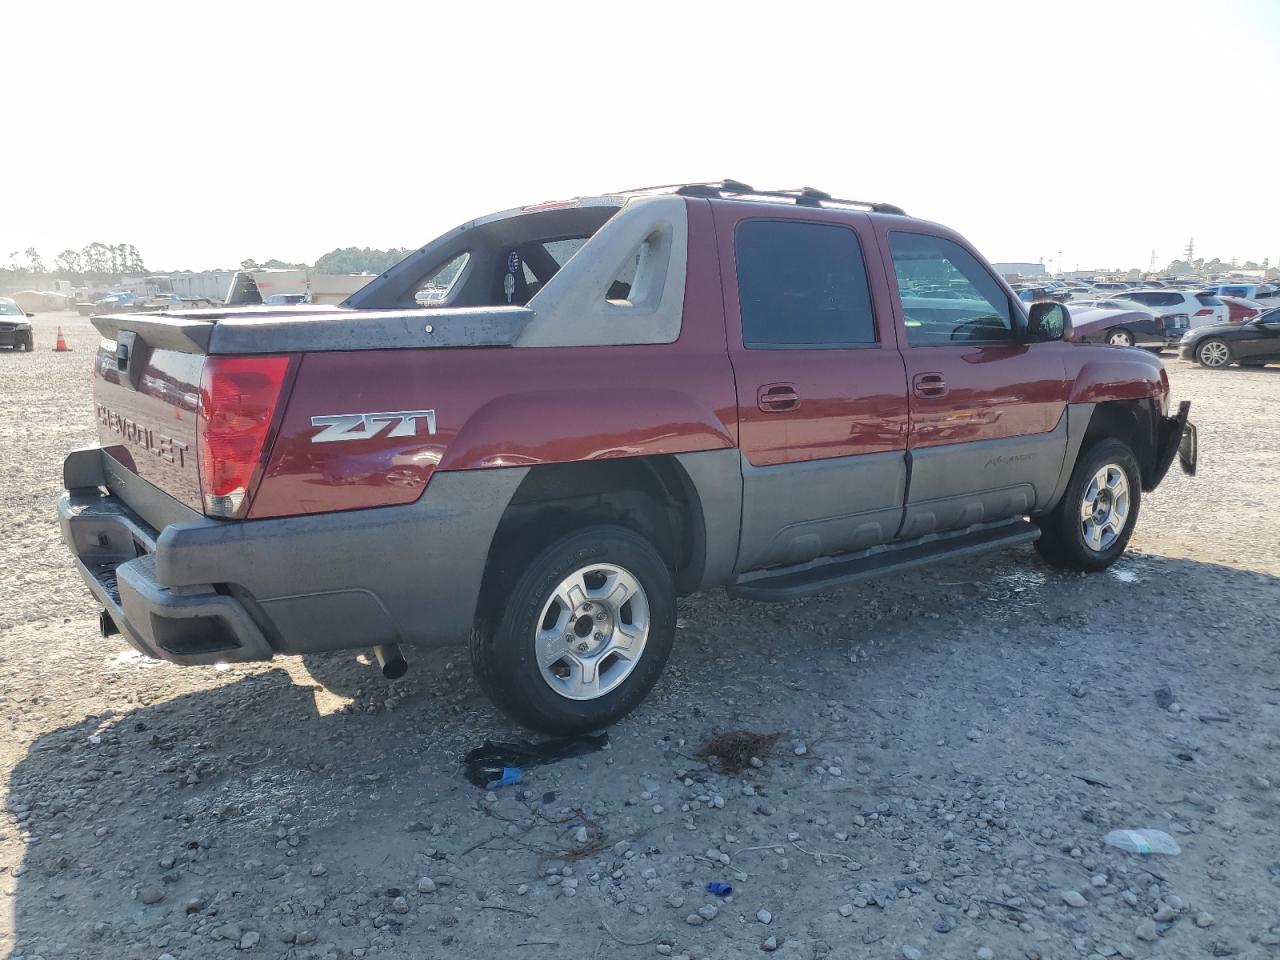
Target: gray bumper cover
[[201, 591]]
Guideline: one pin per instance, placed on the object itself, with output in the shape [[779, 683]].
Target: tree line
[[93, 259], [340, 260], [1202, 266], [101, 260]]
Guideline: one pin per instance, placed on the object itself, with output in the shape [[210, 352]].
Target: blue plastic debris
[[719, 889], [492, 764], [510, 776]]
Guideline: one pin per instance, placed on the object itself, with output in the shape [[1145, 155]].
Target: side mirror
[[1048, 320], [30, 314]]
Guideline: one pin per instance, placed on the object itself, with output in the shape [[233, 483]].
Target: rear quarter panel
[[507, 406]]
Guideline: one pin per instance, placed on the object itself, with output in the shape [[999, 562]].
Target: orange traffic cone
[[61, 345]]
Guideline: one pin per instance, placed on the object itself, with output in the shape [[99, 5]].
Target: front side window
[[972, 307], [802, 285]]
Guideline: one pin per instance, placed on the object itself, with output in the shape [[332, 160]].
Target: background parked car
[[1030, 293], [15, 331], [1267, 292], [1122, 324], [1240, 309], [1252, 344], [1203, 308]]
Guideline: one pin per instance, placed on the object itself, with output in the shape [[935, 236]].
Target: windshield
[[10, 309]]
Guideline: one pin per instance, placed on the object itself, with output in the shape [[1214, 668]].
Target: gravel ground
[[955, 744]]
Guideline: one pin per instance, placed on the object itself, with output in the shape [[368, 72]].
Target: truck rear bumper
[[199, 591], [114, 552]]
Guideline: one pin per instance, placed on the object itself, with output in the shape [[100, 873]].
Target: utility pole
[[1191, 254], [1151, 267]]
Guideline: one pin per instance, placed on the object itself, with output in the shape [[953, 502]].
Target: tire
[[1213, 353], [537, 613], [1120, 337], [28, 344], [1063, 541]]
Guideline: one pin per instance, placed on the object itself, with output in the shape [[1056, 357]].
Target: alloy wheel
[[592, 631], [1104, 508], [1214, 354]]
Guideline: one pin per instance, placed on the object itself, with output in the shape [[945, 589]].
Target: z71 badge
[[366, 426]]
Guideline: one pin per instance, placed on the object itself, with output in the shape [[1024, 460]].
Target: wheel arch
[[1133, 421], [664, 498]]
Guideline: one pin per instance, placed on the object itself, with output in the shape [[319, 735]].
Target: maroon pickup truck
[[541, 428]]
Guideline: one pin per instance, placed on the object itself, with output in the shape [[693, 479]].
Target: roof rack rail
[[804, 196]]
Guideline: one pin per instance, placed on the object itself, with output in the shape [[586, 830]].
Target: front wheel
[[1120, 337], [583, 635], [1091, 526], [1213, 353]]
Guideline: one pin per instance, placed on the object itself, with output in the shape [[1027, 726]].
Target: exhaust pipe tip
[[107, 626], [391, 661]]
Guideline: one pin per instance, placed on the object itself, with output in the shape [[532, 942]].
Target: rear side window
[[1208, 300], [1156, 298], [948, 297], [802, 285]]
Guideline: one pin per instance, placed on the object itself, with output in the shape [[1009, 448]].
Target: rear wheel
[[1213, 353], [1120, 337], [1090, 527], [581, 637]]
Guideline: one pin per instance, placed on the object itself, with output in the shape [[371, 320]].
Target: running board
[[787, 583]]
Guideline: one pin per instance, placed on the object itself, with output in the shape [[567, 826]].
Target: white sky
[[206, 132]]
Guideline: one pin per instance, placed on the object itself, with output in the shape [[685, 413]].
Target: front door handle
[[777, 397], [929, 386]]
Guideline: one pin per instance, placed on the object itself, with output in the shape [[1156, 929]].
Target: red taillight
[[1206, 312], [1159, 324], [238, 398]]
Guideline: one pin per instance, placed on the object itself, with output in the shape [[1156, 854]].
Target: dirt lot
[[955, 745]]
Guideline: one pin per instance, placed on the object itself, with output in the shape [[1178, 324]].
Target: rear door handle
[[929, 386], [777, 397]]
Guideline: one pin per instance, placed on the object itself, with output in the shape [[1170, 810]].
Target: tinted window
[[975, 308], [1155, 298], [1234, 291], [1208, 300], [802, 285]]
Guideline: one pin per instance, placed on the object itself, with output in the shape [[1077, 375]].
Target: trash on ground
[[733, 750], [720, 889], [1142, 841], [1165, 698], [494, 763]]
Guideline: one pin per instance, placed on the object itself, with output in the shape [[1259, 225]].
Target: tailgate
[[146, 390]]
